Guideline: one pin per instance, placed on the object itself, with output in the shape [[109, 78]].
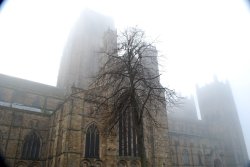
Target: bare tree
[[128, 88]]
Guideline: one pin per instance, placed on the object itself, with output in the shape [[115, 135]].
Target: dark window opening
[[185, 157], [200, 158], [92, 142], [128, 142], [31, 147], [173, 156]]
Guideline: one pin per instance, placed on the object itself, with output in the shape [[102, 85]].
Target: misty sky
[[198, 38]]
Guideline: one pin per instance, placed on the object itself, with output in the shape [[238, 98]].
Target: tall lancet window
[[200, 158], [185, 157], [31, 146], [92, 142], [128, 143]]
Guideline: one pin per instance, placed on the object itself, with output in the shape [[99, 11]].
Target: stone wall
[[15, 124], [217, 138], [62, 132]]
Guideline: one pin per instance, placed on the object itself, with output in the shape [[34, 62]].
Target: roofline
[[31, 86]]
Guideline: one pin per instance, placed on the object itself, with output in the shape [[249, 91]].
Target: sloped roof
[[31, 94]]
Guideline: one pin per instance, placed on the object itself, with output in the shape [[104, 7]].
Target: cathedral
[[47, 126], [214, 140]]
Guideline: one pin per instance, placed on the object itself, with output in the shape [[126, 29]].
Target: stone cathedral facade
[[46, 126], [41, 127], [215, 140]]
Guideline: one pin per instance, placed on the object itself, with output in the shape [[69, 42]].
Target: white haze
[[199, 39]]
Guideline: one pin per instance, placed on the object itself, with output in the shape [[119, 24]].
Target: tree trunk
[[141, 145]]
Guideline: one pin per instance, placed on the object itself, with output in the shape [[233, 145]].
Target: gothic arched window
[[128, 144], [173, 156], [200, 158], [31, 147], [185, 157], [92, 142]]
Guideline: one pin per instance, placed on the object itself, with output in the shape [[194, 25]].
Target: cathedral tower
[[81, 57], [219, 111]]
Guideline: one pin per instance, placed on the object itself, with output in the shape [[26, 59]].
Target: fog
[[198, 40]]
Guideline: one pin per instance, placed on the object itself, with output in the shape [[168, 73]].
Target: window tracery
[[92, 142], [31, 147], [128, 142]]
